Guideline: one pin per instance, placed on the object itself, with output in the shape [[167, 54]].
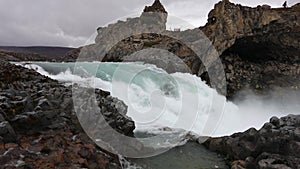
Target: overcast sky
[[73, 22]]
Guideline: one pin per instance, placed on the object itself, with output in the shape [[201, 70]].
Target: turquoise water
[[178, 101], [115, 71], [190, 156], [155, 99], [158, 99]]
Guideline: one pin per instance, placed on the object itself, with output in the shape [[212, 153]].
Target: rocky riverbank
[[39, 128], [275, 146]]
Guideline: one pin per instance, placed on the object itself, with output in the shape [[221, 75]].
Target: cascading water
[[157, 99], [167, 104]]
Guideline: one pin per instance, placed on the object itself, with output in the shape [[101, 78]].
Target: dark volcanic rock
[[38, 114], [265, 27], [7, 132], [259, 46], [260, 76], [275, 145]]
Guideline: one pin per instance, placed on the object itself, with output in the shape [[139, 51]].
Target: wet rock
[[275, 161], [1, 117], [39, 115], [21, 122], [7, 132], [44, 104], [271, 163], [265, 148]]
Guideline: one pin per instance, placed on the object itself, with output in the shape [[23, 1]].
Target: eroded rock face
[[254, 37], [259, 46], [263, 78], [275, 145], [38, 114], [228, 22]]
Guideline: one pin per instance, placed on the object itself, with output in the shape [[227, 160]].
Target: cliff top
[[156, 7]]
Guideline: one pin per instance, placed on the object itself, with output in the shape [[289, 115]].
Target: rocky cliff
[[156, 7], [258, 47], [254, 44], [260, 28]]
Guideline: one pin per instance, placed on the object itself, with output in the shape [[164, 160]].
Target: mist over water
[[157, 99]]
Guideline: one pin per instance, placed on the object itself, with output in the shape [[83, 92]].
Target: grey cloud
[[72, 22]]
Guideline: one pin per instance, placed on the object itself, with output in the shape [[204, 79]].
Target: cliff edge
[[255, 45]]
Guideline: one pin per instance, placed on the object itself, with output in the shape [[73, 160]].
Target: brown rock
[[156, 7], [239, 164], [10, 145]]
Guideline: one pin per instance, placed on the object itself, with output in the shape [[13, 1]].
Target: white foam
[[178, 101]]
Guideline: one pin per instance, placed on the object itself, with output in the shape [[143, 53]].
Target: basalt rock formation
[[39, 127], [259, 46], [276, 145], [259, 29], [255, 45]]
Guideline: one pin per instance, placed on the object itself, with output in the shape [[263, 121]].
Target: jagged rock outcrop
[[276, 145], [259, 46], [263, 78], [155, 7], [152, 20], [230, 24]]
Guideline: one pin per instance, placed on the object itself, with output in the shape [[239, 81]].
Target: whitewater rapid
[[158, 100]]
